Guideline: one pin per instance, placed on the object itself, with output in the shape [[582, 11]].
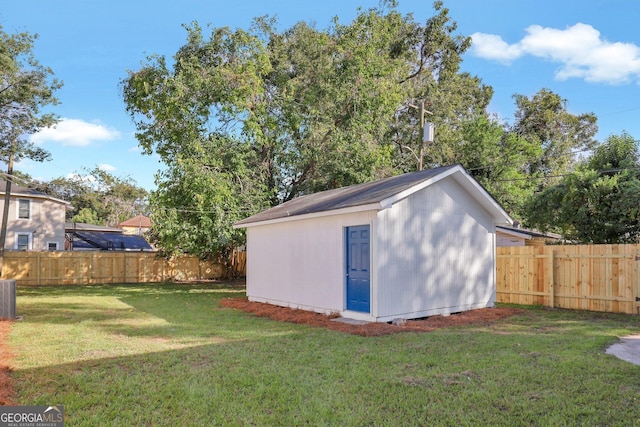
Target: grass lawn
[[167, 355]]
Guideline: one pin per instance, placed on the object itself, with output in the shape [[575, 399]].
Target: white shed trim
[[354, 209]]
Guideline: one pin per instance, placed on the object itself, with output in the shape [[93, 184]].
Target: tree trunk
[[5, 211]]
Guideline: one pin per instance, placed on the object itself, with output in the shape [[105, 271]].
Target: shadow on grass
[[234, 383], [134, 310], [129, 288], [317, 377]]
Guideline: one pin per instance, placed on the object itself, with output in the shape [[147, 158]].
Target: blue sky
[[586, 51]]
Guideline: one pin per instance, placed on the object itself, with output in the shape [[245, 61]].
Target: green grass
[[166, 355]]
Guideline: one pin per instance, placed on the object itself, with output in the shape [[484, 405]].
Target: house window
[[24, 208], [52, 246], [23, 242]]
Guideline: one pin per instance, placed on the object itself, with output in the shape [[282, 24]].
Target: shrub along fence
[[587, 277], [80, 267]]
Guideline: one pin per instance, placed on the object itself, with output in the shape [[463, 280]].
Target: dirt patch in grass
[[6, 385], [483, 316]]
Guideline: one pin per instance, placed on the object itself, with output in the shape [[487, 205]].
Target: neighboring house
[[516, 236], [137, 225], [410, 246], [36, 220], [90, 237]]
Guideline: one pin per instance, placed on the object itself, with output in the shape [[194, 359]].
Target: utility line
[[564, 175]]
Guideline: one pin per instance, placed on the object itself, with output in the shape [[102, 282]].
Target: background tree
[[97, 196], [544, 120], [514, 161], [599, 202], [25, 88], [499, 160]]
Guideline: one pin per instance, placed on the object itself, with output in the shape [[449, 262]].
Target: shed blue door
[[358, 268]]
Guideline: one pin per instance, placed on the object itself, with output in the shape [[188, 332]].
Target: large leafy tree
[[192, 117], [302, 110], [451, 99], [599, 202], [333, 90], [198, 198], [26, 87]]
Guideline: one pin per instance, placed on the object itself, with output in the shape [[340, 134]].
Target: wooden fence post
[[552, 290], [38, 261], [636, 279]]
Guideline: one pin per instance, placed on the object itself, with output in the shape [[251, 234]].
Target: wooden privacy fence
[[78, 268], [587, 277]]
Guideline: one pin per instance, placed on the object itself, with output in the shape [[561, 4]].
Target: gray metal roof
[[346, 197]]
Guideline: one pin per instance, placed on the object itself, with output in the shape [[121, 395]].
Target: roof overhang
[[350, 210], [513, 233], [528, 234]]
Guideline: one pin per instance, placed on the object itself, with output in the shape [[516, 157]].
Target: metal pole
[[421, 112]]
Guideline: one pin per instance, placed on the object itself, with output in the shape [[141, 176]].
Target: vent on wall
[[7, 299]]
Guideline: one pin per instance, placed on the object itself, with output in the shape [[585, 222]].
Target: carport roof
[[377, 195]]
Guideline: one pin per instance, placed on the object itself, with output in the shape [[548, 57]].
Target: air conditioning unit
[[7, 299]]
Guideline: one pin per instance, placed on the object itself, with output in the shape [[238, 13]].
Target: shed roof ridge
[[363, 194]]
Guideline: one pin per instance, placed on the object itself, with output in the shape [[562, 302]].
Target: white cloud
[[490, 46], [106, 167], [76, 133], [580, 50]]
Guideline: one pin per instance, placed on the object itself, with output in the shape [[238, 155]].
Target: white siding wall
[[301, 263], [435, 253]]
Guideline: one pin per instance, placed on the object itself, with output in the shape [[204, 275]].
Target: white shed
[[409, 246]]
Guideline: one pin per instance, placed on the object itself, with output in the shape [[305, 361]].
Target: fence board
[[77, 267], [586, 277]]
